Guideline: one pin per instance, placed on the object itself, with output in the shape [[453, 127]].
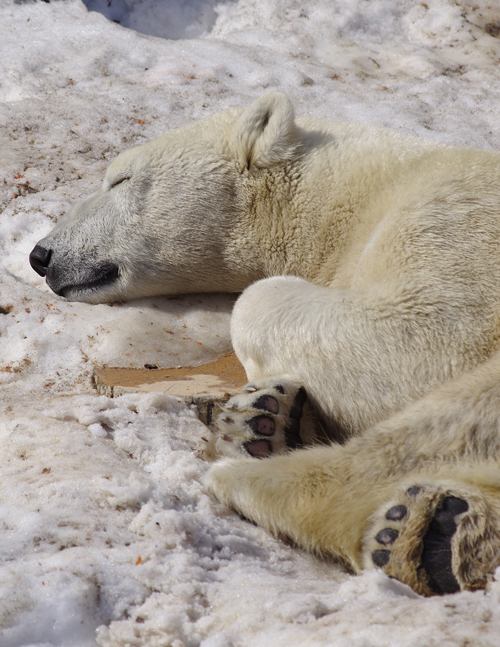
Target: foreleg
[[361, 355]]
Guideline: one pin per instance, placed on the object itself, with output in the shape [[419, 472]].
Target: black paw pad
[[259, 448], [262, 425], [437, 554], [453, 505], [381, 557], [413, 491], [443, 522], [267, 403], [280, 389], [387, 536], [396, 513]]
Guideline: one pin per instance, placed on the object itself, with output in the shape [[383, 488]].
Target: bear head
[[167, 216]]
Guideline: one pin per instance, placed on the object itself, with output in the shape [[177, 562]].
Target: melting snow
[[107, 537]]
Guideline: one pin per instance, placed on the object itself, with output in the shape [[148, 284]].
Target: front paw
[[269, 417]]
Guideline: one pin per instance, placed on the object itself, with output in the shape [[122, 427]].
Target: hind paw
[[271, 416], [434, 540]]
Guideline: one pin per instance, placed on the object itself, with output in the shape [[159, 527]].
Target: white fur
[[379, 264]]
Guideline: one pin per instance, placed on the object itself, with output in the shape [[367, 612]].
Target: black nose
[[40, 259]]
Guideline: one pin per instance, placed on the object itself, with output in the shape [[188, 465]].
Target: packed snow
[[107, 536]]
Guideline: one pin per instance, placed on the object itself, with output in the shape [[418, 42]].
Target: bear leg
[[305, 495], [438, 534]]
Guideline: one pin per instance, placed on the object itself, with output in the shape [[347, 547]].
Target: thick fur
[[379, 294]]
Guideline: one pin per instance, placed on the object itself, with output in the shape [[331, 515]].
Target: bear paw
[[435, 540], [271, 416]]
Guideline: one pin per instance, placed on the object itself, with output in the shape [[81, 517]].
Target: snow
[[107, 536]]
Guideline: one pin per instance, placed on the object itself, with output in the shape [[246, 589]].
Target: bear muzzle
[[72, 280]]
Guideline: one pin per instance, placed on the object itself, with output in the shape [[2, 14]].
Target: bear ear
[[265, 133]]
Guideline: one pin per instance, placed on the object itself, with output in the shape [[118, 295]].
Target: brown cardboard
[[207, 386]]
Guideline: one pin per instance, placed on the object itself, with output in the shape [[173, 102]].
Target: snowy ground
[[106, 535]]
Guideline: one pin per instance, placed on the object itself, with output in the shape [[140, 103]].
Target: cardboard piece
[[207, 386]]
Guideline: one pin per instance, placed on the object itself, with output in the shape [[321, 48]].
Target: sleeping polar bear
[[377, 327]]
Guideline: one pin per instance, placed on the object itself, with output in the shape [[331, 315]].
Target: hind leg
[[438, 533]]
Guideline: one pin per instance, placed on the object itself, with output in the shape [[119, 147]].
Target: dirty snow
[[107, 537]]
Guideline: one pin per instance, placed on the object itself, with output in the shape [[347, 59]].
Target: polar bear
[[369, 324]]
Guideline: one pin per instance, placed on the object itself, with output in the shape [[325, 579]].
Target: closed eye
[[118, 181]]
